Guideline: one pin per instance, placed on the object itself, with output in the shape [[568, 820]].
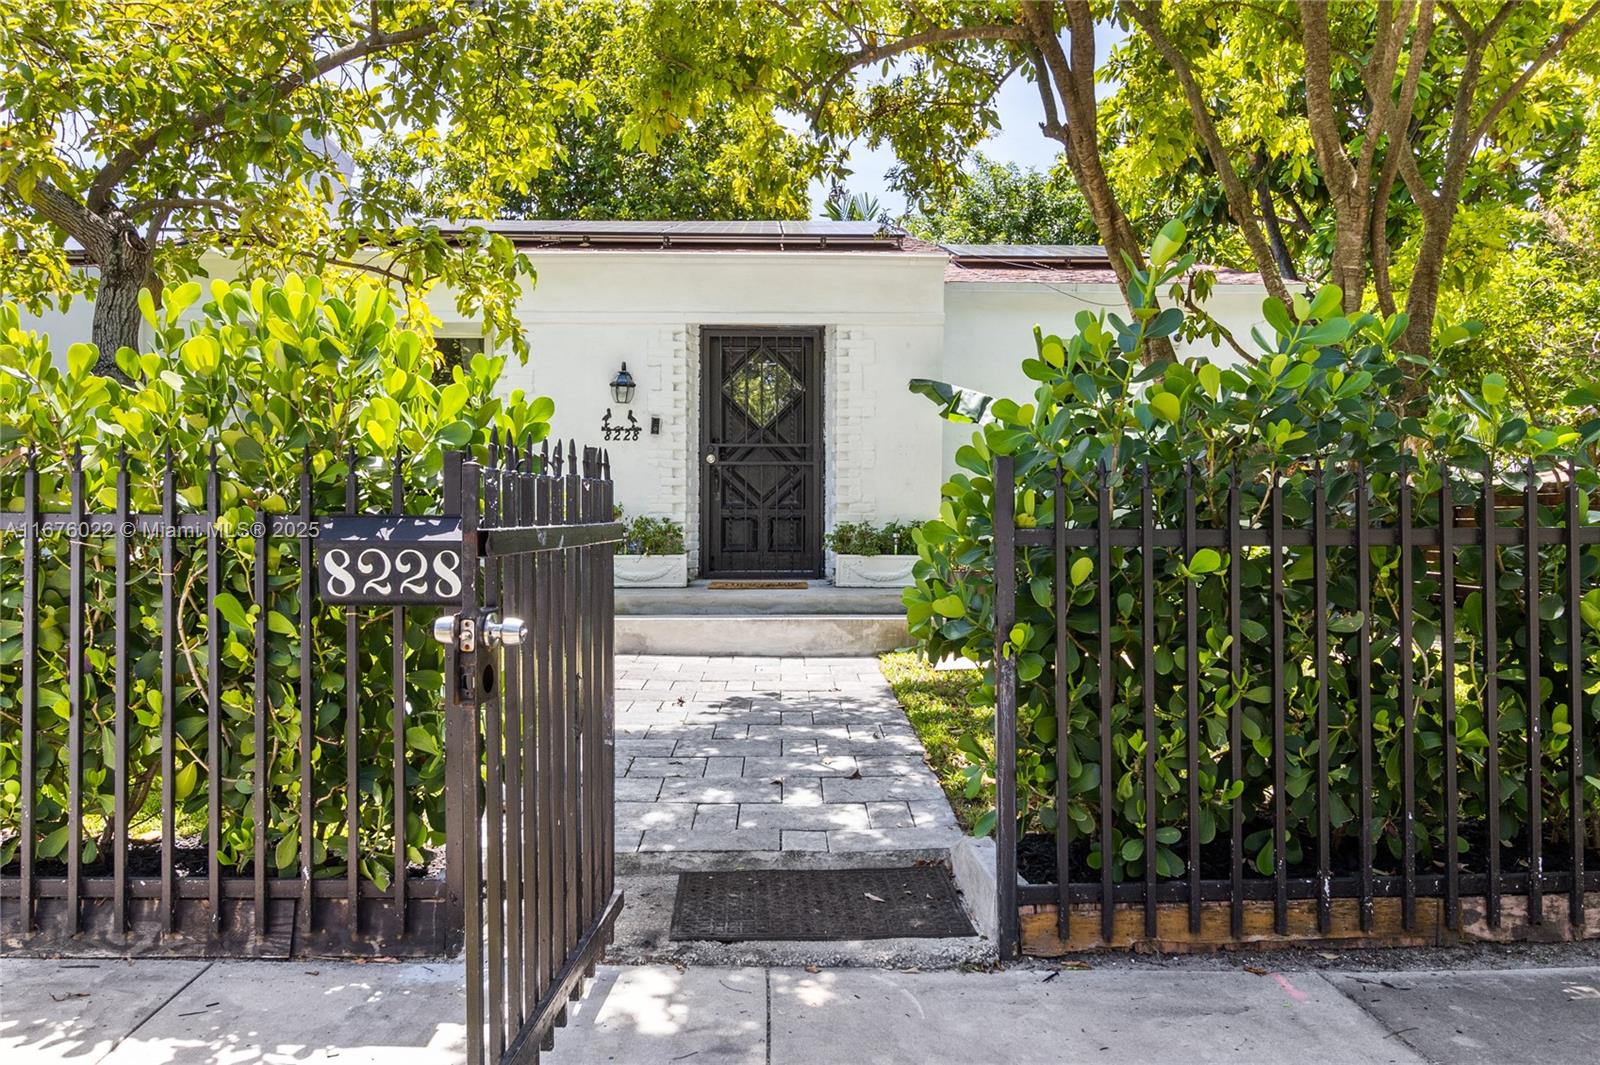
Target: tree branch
[[1324, 122], [68, 215], [1379, 223], [1551, 50], [944, 35], [118, 166], [1051, 127], [1238, 196], [1400, 156], [1269, 219], [169, 204], [1378, 74]]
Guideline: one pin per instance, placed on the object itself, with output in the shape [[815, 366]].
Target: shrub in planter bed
[[267, 376], [650, 536], [871, 556], [1324, 394], [651, 554], [866, 538]]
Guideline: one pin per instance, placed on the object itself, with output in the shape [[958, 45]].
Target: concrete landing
[[699, 598], [760, 634], [816, 620]]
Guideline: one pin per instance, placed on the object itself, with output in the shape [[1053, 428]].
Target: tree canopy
[[1003, 203], [146, 134], [1392, 118], [598, 169], [1387, 146]]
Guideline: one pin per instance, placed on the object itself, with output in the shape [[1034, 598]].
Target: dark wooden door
[[761, 453]]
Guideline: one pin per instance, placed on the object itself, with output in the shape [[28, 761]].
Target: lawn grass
[[936, 701]]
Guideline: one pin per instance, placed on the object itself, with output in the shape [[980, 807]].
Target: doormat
[[918, 903], [727, 586]]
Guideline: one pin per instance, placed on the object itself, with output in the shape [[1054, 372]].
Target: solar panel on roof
[[690, 232], [827, 227]]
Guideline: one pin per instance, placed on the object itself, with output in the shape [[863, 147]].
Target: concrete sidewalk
[[180, 1012]]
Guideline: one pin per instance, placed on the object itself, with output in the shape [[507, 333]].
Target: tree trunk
[[1348, 268], [1422, 299], [1073, 82], [124, 272]]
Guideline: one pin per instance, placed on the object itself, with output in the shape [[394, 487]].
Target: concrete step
[[700, 599], [759, 634]]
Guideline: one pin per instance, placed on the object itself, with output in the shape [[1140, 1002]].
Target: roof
[[958, 273], [803, 235], [1059, 264], [1027, 254]]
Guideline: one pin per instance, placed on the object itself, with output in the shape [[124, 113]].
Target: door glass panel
[[762, 388]]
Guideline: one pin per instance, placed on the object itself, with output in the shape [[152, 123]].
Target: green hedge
[[1321, 387], [264, 374]]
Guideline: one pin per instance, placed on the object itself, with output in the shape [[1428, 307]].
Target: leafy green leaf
[[232, 612], [1081, 568]]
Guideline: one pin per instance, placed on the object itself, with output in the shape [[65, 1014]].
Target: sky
[[1017, 141]]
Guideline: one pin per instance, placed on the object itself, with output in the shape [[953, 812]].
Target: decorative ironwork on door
[[762, 461]]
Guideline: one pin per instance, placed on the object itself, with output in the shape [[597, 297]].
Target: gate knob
[[711, 459], [444, 628], [509, 632]]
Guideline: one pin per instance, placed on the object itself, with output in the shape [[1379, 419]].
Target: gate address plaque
[[371, 560]]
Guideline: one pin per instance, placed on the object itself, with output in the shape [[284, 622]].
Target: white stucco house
[[771, 361]]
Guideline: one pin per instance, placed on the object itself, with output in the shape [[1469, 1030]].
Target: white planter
[[651, 571], [873, 571]]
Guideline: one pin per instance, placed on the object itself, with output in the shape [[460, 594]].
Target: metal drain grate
[[919, 902]]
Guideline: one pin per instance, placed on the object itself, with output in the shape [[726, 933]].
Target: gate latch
[[462, 633], [461, 636]]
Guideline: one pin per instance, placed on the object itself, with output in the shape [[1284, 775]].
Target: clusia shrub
[[277, 381], [1325, 399]]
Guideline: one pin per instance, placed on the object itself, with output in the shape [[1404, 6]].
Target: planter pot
[[651, 571], [873, 571]]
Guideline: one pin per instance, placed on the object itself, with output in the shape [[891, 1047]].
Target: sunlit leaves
[[267, 377]]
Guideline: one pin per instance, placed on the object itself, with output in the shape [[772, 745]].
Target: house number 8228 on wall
[[370, 561]]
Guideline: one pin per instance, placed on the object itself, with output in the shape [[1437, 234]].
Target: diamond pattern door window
[[762, 388]]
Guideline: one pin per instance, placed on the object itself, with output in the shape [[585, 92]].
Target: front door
[[761, 453]]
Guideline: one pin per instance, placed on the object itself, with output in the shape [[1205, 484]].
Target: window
[[454, 351]]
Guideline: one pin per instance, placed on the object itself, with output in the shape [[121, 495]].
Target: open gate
[[531, 708]]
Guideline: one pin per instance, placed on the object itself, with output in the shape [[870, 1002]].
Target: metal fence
[[531, 702], [1473, 617], [202, 882], [142, 680]]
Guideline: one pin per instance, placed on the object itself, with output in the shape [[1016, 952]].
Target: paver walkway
[[767, 757]]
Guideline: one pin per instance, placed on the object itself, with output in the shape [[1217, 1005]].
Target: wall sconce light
[[622, 386]]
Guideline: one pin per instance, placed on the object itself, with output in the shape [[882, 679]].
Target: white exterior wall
[[882, 318], [886, 317]]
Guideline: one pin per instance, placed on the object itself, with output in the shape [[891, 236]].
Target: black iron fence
[[531, 682], [227, 728], [1330, 685]]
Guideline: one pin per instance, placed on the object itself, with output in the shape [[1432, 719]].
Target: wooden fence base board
[[1041, 938]]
